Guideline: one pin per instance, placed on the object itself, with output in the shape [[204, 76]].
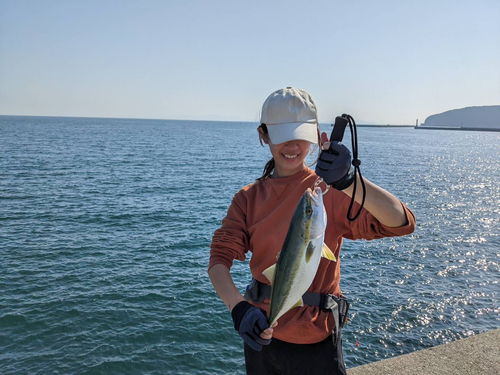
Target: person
[[258, 220]]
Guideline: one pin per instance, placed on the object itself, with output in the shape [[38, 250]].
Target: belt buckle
[[323, 302], [343, 310]]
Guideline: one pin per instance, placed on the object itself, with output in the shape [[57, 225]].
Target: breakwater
[[458, 128], [476, 355]]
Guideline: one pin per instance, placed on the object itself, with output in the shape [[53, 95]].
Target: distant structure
[[484, 117]]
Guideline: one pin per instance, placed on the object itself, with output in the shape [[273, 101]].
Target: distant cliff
[[469, 117]]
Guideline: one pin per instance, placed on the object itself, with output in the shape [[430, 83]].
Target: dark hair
[[269, 168]]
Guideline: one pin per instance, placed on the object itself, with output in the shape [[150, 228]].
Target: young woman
[[258, 221]]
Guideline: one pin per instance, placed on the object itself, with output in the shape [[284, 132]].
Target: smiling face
[[288, 156]]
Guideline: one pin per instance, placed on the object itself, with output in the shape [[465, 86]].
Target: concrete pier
[[476, 355]]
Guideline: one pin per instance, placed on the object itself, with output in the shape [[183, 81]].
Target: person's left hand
[[334, 164], [252, 325]]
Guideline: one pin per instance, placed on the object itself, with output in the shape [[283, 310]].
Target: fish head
[[318, 224], [314, 212]]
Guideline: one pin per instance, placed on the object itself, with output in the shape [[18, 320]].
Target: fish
[[299, 258]]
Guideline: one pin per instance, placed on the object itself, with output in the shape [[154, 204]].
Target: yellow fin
[[269, 273], [327, 253], [299, 303]]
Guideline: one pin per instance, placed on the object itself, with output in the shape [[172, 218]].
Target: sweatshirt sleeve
[[366, 226], [231, 240]]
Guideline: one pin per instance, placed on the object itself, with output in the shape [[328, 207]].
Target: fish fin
[[299, 303], [269, 273], [327, 253], [309, 251]]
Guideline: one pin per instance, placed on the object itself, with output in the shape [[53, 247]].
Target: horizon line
[[169, 119]]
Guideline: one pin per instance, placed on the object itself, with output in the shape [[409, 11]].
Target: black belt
[[258, 292]]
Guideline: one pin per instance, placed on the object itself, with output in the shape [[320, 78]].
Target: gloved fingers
[[327, 157], [331, 171], [256, 317], [263, 312], [332, 154], [256, 336], [322, 167], [331, 175], [239, 312], [257, 331], [251, 342], [261, 323], [253, 324], [332, 151], [266, 334], [331, 168], [262, 341], [338, 146]]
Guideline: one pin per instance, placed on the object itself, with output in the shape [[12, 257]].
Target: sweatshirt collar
[[285, 180]]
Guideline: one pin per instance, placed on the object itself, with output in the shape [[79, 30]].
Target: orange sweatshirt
[[258, 221]]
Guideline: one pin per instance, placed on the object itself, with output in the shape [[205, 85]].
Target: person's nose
[[292, 144]]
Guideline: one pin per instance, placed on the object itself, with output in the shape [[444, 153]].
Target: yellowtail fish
[[299, 258]]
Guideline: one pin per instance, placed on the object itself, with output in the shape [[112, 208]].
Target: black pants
[[284, 358]]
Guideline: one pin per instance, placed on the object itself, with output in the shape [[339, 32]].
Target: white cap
[[290, 114]]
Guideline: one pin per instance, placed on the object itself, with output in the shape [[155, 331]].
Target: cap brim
[[293, 131]]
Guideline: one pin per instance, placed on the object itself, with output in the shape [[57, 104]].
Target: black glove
[[334, 166], [250, 322]]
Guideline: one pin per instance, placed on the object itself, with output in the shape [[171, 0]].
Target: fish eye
[[309, 211]]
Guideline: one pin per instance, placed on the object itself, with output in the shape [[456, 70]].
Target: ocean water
[[105, 227]]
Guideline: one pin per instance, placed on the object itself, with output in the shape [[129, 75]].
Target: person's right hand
[[251, 323]]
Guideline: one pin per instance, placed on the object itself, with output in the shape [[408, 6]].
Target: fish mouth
[[309, 196], [317, 196]]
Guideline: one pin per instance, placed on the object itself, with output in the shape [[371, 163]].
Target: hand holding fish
[[251, 323], [334, 164]]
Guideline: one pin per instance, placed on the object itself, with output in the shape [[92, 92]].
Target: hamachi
[[299, 258]]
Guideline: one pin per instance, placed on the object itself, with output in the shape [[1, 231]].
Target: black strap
[[356, 163], [257, 291], [339, 306]]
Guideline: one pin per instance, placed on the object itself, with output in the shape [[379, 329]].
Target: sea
[[105, 228]]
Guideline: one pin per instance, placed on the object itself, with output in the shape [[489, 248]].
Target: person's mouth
[[290, 156]]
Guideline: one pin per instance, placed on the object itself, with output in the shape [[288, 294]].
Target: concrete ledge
[[476, 355]]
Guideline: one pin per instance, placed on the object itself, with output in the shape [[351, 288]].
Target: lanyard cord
[[356, 163]]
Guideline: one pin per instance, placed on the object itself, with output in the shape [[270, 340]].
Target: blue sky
[[380, 61]]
